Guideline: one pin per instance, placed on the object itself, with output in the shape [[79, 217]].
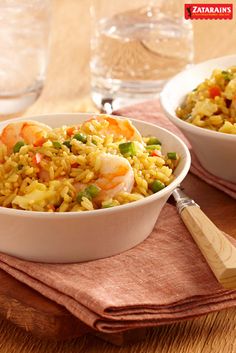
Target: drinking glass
[[136, 46], [24, 37]]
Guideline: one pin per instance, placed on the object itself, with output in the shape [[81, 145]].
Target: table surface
[[67, 90]]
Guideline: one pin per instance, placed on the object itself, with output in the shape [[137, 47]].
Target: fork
[[218, 251]]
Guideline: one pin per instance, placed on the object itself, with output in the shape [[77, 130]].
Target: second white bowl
[[215, 150]]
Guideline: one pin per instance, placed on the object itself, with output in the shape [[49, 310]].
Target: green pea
[[92, 190], [153, 141], [156, 186], [80, 196], [67, 144], [80, 137], [18, 146], [56, 144]]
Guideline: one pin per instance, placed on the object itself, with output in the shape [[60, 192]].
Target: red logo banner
[[208, 11]]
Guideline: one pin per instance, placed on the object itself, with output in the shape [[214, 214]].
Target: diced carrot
[[70, 131], [37, 158], [155, 153], [40, 142], [214, 91], [74, 165]]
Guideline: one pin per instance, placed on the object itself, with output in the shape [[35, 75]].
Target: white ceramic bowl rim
[[159, 194], [164, 96]]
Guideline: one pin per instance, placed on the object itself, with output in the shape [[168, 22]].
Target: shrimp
[[115, 175], [28, 131], [120, 127]]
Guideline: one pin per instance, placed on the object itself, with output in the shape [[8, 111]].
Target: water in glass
[[135, 52], [24, 35]]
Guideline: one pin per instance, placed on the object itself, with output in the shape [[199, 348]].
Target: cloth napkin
[[151, 111], [163, 280]]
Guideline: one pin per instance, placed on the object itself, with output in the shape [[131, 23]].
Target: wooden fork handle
[[218, 251]]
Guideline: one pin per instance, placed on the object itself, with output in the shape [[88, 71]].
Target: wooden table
[[66, 89]]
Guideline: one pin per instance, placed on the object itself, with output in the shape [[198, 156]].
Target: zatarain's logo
[[208, 11]]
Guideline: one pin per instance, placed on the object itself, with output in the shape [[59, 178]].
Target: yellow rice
[[22, 188], [212, 104]]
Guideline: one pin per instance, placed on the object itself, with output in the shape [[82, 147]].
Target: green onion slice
[[172, 155], [127, 149]]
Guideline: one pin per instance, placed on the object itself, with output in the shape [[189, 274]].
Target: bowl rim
[[164, 95], [142, 202]]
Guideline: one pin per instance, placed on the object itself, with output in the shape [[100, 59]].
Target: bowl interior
[[170, 143]]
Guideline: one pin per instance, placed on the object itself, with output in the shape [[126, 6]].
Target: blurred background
[[67, 85]]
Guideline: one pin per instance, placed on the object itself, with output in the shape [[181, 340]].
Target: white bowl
[[74, 237], [215, 150]]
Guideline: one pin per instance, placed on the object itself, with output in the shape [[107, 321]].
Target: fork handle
[[218, 251]]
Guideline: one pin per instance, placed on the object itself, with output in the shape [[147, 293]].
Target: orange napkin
[[150, 111], [163, 280]]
